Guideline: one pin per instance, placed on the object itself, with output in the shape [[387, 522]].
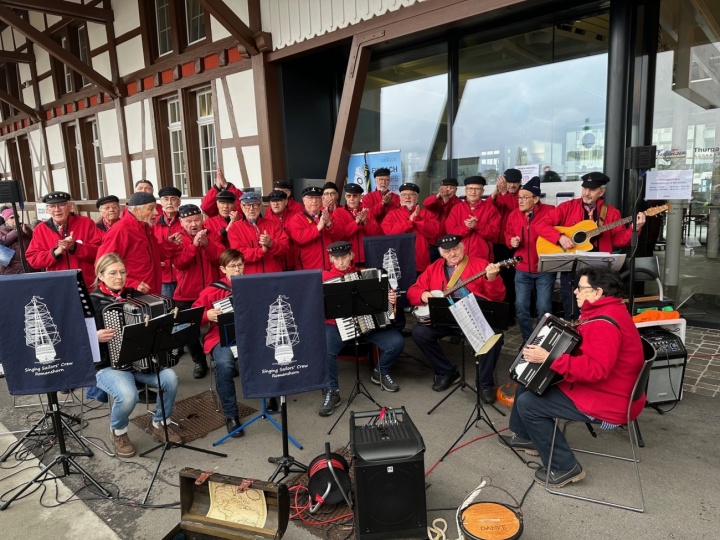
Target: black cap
[[226, 196], [533, 186], [312, 191], [56, 197], [277, 195], [250, 197], [449, 241], [513, 176], [140, 198], [330, 185], [342, 247], [449, 182], [105, 200], [357, 189], [169, 191], [475, 180], [594, 180], [187, 210], [282, 184], [382, 171], [409, 186]]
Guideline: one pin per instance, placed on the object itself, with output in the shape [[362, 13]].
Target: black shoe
[[200, 369], [488, 395], [443, 382], [232, 424], [558, 478], [518, 443], [272, 405]]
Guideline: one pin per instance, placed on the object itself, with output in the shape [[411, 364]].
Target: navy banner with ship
[[280, 332], [396, 255], [45, 345]]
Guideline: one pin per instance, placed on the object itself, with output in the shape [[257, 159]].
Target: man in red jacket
[[590, 206], [64, 241], [455, 266], [109, 208], [280, 211], [440, 205], [410, 218], [357, 222], [167, 224], [293, 206], [476, 221], [208, 204], [227, 215], [598, 379], [521, 236], [381, 201]]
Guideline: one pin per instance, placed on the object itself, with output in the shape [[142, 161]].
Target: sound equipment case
[[195, 503]]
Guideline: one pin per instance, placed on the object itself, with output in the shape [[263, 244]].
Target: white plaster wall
[[150, 172], [42, 60], [130, 56], [135, 171], [101, 64], [97, 35], [37, 19], [52, 19], [239, 7], [242, 91], [149, 143], [24, 72], [133, 125], [60, 180], [231, 167], [28, 97], [109, 133], [19, 39], [115, 179], [252, 164], [47, 93], [7, 39], [53, 135], [127, 16]]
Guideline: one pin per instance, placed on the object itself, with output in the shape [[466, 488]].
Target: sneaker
[[518, 443], [331, 400], [159, 434], [443, 382], [385, 382], [558, 478], [123, 445]]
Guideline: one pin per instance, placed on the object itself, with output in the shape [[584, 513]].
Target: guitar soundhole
[[579, 237]]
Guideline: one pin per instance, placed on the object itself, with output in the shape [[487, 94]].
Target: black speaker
[[668, 370], [10, 191], [640, 157]]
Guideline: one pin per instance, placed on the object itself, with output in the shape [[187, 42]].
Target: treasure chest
[[216, 506]]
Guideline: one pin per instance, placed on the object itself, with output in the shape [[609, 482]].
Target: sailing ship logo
[[392, 267], [41, 332], [281, 333]]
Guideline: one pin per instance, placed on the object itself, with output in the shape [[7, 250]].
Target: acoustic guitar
[[582, 232]]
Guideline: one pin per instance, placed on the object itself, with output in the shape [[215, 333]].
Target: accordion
[[554, 335], [134, 311]]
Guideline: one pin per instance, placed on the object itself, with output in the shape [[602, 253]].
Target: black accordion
[[135, 311], [555, 335]]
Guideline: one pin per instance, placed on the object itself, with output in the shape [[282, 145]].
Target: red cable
[[431, 469]]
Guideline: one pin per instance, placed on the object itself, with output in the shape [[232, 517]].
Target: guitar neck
[[600, 230], [460, 284]]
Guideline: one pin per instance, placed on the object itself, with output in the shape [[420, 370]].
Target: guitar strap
[[457, 273], [220, 285], [603, 215]]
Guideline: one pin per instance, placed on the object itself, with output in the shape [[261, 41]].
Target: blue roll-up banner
[[375, 160], [45, 345], [396, 254], [280, 332]]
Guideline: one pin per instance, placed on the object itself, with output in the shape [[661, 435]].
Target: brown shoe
[[159, 434], [123, 445]]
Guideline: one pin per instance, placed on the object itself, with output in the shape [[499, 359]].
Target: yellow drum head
[[490, 521]]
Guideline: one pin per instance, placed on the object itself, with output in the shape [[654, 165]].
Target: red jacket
[[572, 212], [135, 242], [209, 295], [162, 231], [373, 202], [504, 203], [440, 209], [243, 236], [219, 225], [288, 259], [478, 241], [426, 228], [87, 241], [209, 202], [355, 233], [197, 267], [599, 377], [433, 279], [312, 243], [519, 225]]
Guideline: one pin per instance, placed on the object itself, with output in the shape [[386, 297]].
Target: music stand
[[579, 260], [171, 331], [352, 299]]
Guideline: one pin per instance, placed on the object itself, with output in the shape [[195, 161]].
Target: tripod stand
[[265, 415], [65, 458], [286, 462]]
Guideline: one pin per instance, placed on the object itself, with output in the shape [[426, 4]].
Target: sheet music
[[228, 503], [563, 262], [471, 321], [92, 334]]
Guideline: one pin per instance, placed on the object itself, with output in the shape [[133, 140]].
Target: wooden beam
[[270, 127], [54, 49], [232, 23], [63, 8], [20, 57], [19, 105]]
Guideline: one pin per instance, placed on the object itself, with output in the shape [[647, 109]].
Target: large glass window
[[164, 29], [97, 160], [176, 146], [206, 132], [83, 50], [195, 18]]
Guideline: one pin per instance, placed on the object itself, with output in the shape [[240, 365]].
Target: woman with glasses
[[598, 379]]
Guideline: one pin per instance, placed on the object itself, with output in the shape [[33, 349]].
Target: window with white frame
[[177, 154], [83, 53], [97, 160], [164, 29], [82, 178], [195, 19], [67, 72], [206, 136]]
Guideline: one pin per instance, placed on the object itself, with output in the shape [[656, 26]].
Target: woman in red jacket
[[598, 379]]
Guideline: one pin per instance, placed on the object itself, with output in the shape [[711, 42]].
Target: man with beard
[[280, 211], [197, 267], [227, 215], [208, 204], [381, 201], [109, 208], [165, 226], [357, 222]]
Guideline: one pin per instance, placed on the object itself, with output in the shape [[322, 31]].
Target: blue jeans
[[389, 341], [533, 417], [224, 364], [121, 386], [168, 289], [525, 282]]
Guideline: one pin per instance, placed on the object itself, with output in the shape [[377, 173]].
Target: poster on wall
[[389, 159], [528, 171], [669, 184]]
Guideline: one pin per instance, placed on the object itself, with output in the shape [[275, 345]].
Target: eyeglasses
[[251, 205], [581, 287], [525, 198], [53, 206], [474, 188], [236, 266]]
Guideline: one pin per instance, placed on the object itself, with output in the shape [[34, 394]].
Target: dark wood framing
[[63, 8]]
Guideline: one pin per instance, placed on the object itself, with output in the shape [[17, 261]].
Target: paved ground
[[680, 464]]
